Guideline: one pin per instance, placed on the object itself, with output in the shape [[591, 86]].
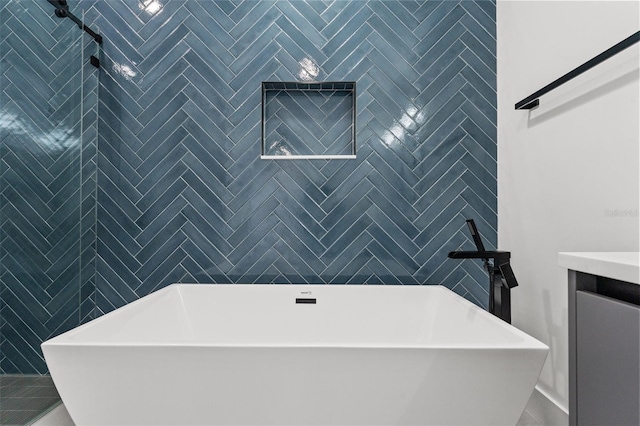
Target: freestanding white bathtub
[[296, 355]]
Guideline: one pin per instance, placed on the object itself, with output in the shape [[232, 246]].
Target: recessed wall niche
[[308, 120]]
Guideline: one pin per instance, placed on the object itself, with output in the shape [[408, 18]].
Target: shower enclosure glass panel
[[42, 70]]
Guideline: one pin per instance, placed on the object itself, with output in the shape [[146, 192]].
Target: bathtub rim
[[528, 342]]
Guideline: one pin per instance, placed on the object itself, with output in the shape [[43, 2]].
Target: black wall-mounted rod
[[532, 101], [62, 11]]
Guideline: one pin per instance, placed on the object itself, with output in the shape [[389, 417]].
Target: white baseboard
[[546, 411]]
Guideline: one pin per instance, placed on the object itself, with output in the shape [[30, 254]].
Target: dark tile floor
[[24, 398]]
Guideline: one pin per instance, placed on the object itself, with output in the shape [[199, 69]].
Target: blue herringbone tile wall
[[184, 197], [41, 196]]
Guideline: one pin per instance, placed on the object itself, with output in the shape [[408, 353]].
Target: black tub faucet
[[501, 276]]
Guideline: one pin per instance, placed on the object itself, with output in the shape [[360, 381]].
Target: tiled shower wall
[[184, 197], [48, 136]]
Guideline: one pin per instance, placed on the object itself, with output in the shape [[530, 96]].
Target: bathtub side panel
[[292, 386]]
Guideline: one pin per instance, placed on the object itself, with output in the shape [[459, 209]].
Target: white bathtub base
[[187, 383], [297, 387]]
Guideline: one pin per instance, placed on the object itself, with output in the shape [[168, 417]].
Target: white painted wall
[[568, 172]]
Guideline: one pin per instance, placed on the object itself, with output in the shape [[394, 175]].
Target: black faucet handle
[[497, 255], [508, 276]]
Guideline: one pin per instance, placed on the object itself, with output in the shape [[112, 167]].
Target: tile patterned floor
[[24, 398]]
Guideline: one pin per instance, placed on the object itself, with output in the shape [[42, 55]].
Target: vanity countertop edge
[[623, 266]]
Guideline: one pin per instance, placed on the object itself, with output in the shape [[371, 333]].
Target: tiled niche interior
[[308, 120]]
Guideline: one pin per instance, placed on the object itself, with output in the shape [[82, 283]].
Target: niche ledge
[[308, 121]]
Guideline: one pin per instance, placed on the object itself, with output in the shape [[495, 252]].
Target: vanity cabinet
[[604, 338]]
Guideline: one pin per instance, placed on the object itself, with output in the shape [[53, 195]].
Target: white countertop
[[623, 266]]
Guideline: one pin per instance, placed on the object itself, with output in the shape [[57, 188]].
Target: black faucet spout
[[497, 255], [501, 276]]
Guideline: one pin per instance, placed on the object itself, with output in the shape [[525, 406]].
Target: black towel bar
[[532, 101]]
